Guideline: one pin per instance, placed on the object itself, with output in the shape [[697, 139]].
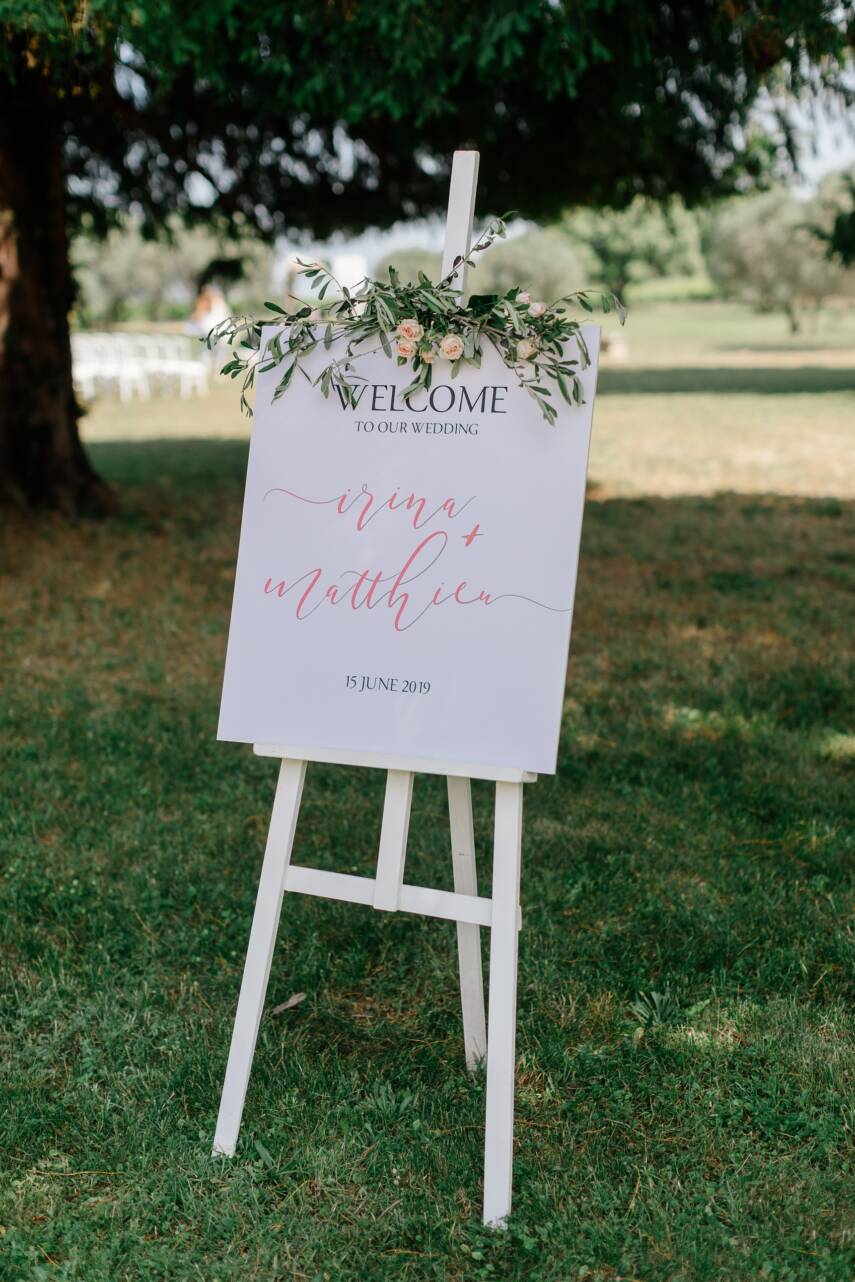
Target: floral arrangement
[[421, 324]]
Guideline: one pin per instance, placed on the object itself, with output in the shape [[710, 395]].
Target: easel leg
[[393, 840], [499, 1131], [259, 955], [468, 934]]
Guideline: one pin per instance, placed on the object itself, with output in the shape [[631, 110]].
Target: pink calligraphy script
[[412, 589]]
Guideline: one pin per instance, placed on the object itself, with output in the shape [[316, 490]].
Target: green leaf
[[265, 1156], [282, 385]]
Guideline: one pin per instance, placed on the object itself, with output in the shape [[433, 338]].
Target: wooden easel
[[389, 893]]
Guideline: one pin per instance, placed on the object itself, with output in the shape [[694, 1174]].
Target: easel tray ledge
[[382, 761]]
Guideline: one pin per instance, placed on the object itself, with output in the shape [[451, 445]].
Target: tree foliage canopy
[[836, 217], [328, 115], [343, 114]]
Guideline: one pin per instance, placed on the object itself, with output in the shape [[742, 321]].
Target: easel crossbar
[[474, 909]]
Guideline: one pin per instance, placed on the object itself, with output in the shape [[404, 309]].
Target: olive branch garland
[[420, 323]]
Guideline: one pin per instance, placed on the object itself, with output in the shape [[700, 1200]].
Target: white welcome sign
[[403, 600], [406, 572]]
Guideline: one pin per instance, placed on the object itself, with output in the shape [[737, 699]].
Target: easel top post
[[461, 212]]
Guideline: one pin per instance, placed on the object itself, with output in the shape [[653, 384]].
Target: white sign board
[[406, 574]]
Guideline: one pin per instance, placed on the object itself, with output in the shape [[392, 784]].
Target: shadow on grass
[[170, 460], [792, 349], [804, 379]]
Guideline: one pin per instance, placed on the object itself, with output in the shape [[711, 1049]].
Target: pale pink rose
[[405, 347], [525, 349], [410, 329], [537, 310], [524, 298], [428, 355], [451, 347]]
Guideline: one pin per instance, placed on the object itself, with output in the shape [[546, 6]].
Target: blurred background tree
[[409, 262], [542, 261], [330, 117], [644, 240], [127, 276], [763, 250]]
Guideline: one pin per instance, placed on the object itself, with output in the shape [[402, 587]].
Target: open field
[[698, 839], [709, 397]]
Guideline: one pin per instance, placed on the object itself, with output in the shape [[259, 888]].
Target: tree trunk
[[42, 461], [793, 317]]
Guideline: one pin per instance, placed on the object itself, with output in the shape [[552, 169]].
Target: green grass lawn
[[697, 841]]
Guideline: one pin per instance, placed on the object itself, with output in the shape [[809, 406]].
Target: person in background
[[210, 308]]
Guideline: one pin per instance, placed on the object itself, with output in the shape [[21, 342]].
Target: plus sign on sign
[[406, 571]]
